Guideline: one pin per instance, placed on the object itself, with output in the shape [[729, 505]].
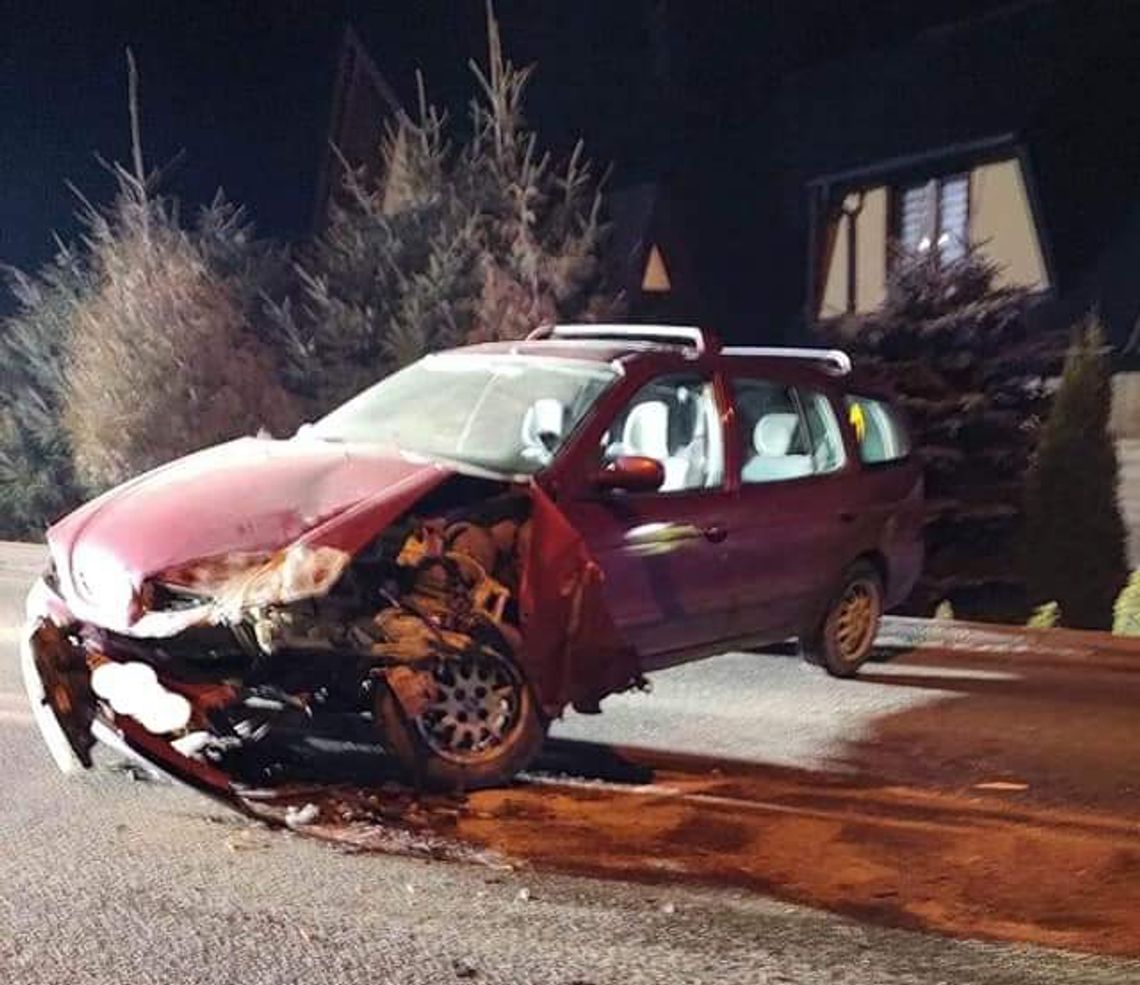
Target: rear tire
[[482, 727], [843, 639]]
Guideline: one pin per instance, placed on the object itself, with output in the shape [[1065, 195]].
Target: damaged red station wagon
[[457, 554]]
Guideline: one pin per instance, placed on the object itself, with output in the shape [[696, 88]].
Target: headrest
[[646, 430], [546, 416], [772, 436]]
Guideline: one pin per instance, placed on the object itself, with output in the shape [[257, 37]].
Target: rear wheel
[[479, 727], [843, 639]]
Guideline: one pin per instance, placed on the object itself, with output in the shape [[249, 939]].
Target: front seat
[[646, 432], [772, 460]]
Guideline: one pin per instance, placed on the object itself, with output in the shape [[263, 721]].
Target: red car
[[479, 540]]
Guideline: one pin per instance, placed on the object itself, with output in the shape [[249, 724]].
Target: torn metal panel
[[194, 771], [298, 572], [572, 650], [67, 711], [58, 686], [221, 590]]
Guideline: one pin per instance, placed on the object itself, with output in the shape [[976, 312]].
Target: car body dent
[[283, 500]]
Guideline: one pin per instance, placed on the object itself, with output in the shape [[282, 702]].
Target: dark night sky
[[244, 87], [244, 92]]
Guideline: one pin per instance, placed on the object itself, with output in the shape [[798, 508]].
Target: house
[[978, 194], [363, 104], [648, 254], [766, 165], [1014, 131]]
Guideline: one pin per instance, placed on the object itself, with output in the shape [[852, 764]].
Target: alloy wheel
[[476, 706], [856, 620]]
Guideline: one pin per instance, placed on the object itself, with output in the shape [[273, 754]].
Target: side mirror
[[631, 473]]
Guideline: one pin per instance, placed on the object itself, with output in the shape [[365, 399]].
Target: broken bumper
[[71, 718], [63, 752]]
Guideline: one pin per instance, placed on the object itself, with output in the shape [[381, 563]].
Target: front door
[[663, 553]]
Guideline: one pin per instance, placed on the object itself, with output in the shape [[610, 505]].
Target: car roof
[[670, 346], [802, 371]]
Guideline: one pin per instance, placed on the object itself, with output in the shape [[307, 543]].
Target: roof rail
[[836, 359], [700, 339]]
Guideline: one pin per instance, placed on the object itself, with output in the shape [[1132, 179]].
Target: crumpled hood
[[246, 496]]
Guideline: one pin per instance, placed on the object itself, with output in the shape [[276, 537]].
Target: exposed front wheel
[[479, 726], [844, 637]]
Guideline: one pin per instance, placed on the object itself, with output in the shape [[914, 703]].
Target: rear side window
[[825, 437], [785, 432], [878, 431]]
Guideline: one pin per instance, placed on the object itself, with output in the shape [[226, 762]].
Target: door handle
[[715, 533]]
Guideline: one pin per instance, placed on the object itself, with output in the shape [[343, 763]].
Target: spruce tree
[[970, 375], [1075, 539], [37, 481], [162, 355], [459, 241]]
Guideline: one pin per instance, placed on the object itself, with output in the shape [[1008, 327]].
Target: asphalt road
[[107, 879]]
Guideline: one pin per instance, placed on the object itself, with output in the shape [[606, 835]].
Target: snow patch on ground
[[752, 707]]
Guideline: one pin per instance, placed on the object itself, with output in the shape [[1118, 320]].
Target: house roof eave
[[969, 150]]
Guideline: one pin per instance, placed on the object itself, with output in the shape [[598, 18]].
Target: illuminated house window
[[987, 207], [935, 214], [655, 280]]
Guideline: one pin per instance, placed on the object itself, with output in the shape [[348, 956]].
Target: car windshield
[[501, 412]]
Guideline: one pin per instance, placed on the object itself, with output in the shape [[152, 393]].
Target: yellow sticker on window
[[858, 421]]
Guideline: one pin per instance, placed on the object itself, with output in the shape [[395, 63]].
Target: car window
[[825, 439], [674, 420], [501, 412], [877, 429], [784, 433]]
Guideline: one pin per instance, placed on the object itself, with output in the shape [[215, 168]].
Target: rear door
[[793, 525], [664, 553]]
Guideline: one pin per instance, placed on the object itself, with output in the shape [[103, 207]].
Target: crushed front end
[[476, 612]]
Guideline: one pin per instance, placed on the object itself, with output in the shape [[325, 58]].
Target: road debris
[[463, 970], [298, 817], [244, 841], [134, 771]]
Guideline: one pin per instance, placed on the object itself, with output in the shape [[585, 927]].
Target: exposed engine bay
[[427, 638]]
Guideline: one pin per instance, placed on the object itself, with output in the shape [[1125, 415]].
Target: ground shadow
[[1059, 731]]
